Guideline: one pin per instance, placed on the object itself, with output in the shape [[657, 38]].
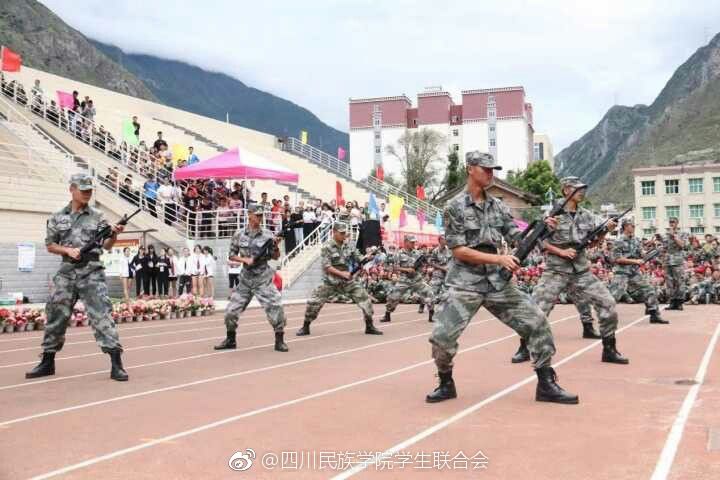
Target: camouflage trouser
[[588, 287], [581, 305], [510, 305], [263, 288], [89, 287], [401, 288], [674, 281], [437, 285], [636, 286], [353, 290]]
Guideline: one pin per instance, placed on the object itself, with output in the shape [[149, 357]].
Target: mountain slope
[[214, 94], [682, 125], [49, 44]]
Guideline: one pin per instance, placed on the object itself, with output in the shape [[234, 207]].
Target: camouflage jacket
[[477, 225], [440, 256], [339, 257], [248, 243], [571, 230], [406, 259], [626, 247], [75, 230], [674, 254]]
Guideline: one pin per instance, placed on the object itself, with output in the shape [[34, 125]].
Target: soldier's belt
[[485, 249], [91, 257]]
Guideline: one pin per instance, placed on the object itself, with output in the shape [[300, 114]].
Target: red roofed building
[[495, 120]]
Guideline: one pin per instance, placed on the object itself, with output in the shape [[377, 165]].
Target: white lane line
[[225, 421], [465, 412], [181, 342], [164, 323], [667, 456], [219, 377], [193, 357]]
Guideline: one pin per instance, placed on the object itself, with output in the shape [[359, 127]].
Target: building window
[[697, 230], [672, 212], [648, 187], [455, 118], [455, 132], [716, 207], [696, 185], [697, 211], [456, 147], [716, 184], [648, 213], [672, 187], [377, 149], [377, 135], [492, 142], [492, 128], [717, 229], [415, 122], [648, 232], [376, 122]]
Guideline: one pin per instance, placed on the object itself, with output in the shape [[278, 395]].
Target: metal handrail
[[318, 156], [317, 236]]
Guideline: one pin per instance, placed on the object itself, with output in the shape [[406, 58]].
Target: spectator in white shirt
[[184, 272], [165, 194], [209, 265], [309, 220], [197, 261]]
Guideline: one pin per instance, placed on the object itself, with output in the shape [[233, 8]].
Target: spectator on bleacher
[[226, 218], [74, 110], [150, 188], [89, 111], [53, 114], [288, 230], [37, 97], [128, 192], [264, 201], [136, 126], [356, 216], [309, 220], [206, 218], [159, 142], [192, 158], [296, 219], [326, 215], [191, 200], [166, 195]]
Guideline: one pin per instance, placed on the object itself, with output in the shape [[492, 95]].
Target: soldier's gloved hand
[[73, 253], [509, 262], [551, 222], [249, 261], [346, 275], [611, 225], [118, 228], [569, 253]]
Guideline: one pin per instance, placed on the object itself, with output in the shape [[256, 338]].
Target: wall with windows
[[691, 193]]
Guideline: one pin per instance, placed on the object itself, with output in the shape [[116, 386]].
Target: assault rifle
[[100, 237], [536, 233], [355, 269], [267, 249], [651, 255], [420, 262], [599, 231]]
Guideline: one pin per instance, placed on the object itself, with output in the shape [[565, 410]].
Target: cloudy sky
[[575, 59]]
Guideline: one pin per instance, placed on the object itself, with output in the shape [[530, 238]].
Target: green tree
[[417, 152], [538, 179], [456, 173]]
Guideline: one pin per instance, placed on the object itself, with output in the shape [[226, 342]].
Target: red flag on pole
[[338, 194], [403, 218], [341, 153], [9, 60], [420, 192], [379, 173]]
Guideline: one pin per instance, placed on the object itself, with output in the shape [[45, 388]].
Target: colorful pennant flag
[[403, 218], [65, 99], [303, 137], [395, 204], [341, 153], [420, 192], [373, 207], [179, 152], [438, 221], [380, 173], [421, 218], [339, 200], [129, 133], [9, 60]]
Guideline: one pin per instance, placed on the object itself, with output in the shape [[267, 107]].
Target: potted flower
[[79, 316], [6, 318], [19, 323]]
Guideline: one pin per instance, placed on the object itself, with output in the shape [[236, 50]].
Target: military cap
[[82, 180], [340, 227], [410, 238], [574, 182], [673, 219], [481, 159], [627, 221], [255, 209]]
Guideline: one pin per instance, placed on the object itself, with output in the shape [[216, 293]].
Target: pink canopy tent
[[237, 163]]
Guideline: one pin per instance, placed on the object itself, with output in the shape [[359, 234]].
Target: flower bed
[[25, 318]]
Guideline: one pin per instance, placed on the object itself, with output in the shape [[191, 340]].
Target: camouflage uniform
[[627, 278], [581, 305], [339, 257], [439, 256], [482, 226], [254, 280], [75, 281], [564, 274], [408, 283], [674, 258]]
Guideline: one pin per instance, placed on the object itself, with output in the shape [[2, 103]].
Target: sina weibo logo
[[241, 461]]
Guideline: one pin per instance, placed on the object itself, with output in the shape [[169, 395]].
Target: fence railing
[[317, 156]]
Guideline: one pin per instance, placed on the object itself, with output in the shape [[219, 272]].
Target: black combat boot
[[44, 368], [522, 355], [589, 331], [445, 391], [228, 343], [431, 313], [656, 318], [421, 308], [304, 330], [117, 371], [548, 390], [370, 328], [610, 353], [280, 345], [386, 318]]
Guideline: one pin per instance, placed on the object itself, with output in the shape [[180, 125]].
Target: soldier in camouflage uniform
[[627, 256], [439, 259], [336, 255], [255, 279], [410, 282], [475, 226], [68, 231], [390, 257], [675, 243], [569, 269], [585, 311]]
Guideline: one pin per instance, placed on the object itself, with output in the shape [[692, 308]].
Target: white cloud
[[574, 58]]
